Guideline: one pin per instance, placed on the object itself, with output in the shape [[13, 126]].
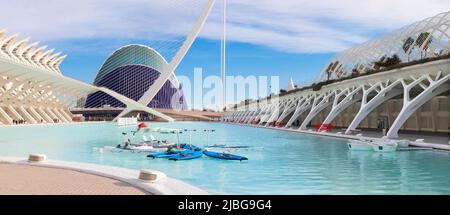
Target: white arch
[[382, 96], [410, 106], [320, 103]]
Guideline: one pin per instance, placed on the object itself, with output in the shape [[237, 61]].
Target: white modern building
[[400, 81], [33, 90]]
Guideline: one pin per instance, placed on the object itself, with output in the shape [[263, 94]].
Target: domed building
[[130, 71]]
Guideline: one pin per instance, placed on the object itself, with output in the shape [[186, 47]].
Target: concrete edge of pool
[[165, 186], [436, 146]]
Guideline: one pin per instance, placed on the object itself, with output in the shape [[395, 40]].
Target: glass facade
[[131, 71]]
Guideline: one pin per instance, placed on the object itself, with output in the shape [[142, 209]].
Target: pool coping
[[436, 146], [51, 124], [165, 186]]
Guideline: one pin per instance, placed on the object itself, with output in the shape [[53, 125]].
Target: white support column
[[250, 114], [275, 114], [320, 103], [303, 105], [51, 114], [13, 111], [67, 114], [260, 112], [57, 114], [66, 118], [6, 119], [411, 105], [236, 113], [353, 96], [27, 115], [61, 113], [244, 119], [368, 106], [241, 116], [288, 110], [266, 114], [236, 118], [36, 115], [254, 115], [44, 115]]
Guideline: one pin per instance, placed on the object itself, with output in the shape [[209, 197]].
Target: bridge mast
[[223, 54]]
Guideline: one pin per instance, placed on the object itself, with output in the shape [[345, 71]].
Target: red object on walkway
[[324, 127], [142, 125], [280, 124]]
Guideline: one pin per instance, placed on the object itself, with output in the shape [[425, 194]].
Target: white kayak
[[385, 146], [129, 149], [403, 143], [359, 145]]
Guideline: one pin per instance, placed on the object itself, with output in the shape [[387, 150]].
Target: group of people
[[19, 121], [22, 121]]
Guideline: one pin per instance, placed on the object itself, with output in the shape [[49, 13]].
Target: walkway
[[430, 141], [16, 179]]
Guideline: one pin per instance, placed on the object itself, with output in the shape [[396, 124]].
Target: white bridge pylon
[[416, 84], [169, 69]]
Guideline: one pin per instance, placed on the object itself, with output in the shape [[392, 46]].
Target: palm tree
[[424, 38]]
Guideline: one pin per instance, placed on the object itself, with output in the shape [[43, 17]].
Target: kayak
[[187, 155], [190, 147], [170, 154], [236, 147], [216, 146], [162, 154], [224, 156]]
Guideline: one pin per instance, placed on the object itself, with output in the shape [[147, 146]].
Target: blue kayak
[[168, 154], [216, 146], [187, 155], [162, 154], [224, 156], [190, 147]]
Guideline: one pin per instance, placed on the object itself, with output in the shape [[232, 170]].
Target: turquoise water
[[289, 163]]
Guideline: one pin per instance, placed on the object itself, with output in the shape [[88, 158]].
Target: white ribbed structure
[[421, 87], [32, 54], [33, 89], [426, 38]]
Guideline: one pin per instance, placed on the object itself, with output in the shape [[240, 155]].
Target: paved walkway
[[16, 179], [430, 141], [411, 136]]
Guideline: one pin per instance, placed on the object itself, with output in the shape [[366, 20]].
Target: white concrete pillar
[[266, 114], [67, 114], [411, 105], [27, 115], [302, 106], [36, 115], [288, 110], [320, 103], [14, 113], [5, 118], [368, 106], [60, 117], [44, 115], [61, 114], [51, 114], [351, 98]]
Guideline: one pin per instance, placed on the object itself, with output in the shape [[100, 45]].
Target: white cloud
[[300, 26]]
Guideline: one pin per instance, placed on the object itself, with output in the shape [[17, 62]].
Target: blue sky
[[289, 38]]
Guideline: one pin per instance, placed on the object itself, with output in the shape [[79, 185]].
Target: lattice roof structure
[[424, 39]]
